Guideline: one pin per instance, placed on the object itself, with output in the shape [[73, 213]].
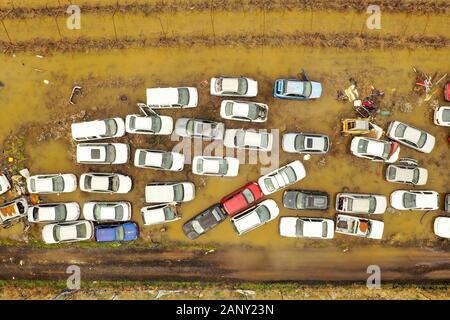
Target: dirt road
[[397, 264]]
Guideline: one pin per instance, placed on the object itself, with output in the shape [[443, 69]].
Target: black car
[[306, 200], [204, 221]]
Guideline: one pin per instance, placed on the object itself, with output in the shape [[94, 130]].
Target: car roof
[[294, 87], [162, 96], [312, 228], [91, 152], [89, 128], [230, 84]]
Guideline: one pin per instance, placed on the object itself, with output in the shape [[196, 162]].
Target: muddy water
[[104, 77], [220, 23]]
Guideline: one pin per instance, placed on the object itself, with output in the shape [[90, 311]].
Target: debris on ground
[[46, 81], [246, 292], [2, 85], [162, 293], [426, 84], [76, 91]]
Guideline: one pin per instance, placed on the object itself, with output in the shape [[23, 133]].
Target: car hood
[[125, 185], [47, 234], [316, 91], [442, 227], [288, 226], [376, 229], [105, 234], [131, 231]]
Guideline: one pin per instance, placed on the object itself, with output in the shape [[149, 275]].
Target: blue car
[[297, 89], [127, 231]]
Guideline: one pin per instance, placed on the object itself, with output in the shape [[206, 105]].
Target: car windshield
[[362, 146], [253, 111], [110, 153], [120, 233], [113, 183], [248, 195], [60, 212], [392, 173], [269, 185], [197, 227], [167, 160], [118, 212], [307, 88], [156, 124], [409, 200], [415, 178], [111, 127], [239, 139], [446, 115], [190, 127], [57, 233], [264, 140], [299, 142], [178, 191], [81, 230], [242, 86], [400, 130], [33, 185], [301, 200], [223, 166], [290, 174], [422, 140], [142, 157], [88, 182], [169, 214], [216, 214], [386, 150], [263, 213], [299, 228], [229, 108], [183, 96], [324, 229], [58, 184], [372, 204], [98, 211]]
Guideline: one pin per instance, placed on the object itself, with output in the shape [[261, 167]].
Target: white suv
[[248, 139], [215, 166], [98, 129], [167, 192], [256, 216], [415, 200], [182, 97], [105, 183], [52, 183], [103, 153]]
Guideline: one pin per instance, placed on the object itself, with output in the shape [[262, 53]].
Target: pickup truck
[[13, 210], [360, 227]]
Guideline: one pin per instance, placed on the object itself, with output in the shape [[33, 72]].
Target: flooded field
[[113, 81]]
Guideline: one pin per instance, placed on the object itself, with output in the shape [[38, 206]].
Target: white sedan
[[52, 183], [248, 139], [442, 227], [244, 111], [233, 87], [375, 150], [215, 166], [182, 97], [167, 192], [107, 211], [300, 227], [415, 200], [299, 142], [406, 174], [442, 116], [103, 153], [282, 177], [361, 203], [159, 160], [255, 217], [410, 136], [157, 214], [54, 212], [4, 184], [68, 231], [156, 125], [105, 183]]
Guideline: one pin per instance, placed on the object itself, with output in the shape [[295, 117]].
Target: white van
[[98, 129], [163, 98]]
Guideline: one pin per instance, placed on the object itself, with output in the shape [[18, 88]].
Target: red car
[[447, 91], [242, 199]]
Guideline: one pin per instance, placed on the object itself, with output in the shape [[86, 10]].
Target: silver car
[[199, 128], [299, 142]]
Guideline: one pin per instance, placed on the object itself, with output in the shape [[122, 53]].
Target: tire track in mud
[[334, 40], [398, 6]]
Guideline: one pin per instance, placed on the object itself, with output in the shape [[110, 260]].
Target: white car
[[105, 183], [52, 183], [103, 211], [158, 159], [442, 116], [199, 128], [244, 111], [410, 136], [248, 139], [233, 87], [215, 166], [157, 214], [442, 227], [98, 129], [4, 184], [255, 217], [156, 125], [361, 203], [282, 177], [54, 212], [182, 97], [299, 142], [167, 192], [359, 227], [406, 174], [375, 150], [300, 227], [103, 153], [68, 231], [415, 200]]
